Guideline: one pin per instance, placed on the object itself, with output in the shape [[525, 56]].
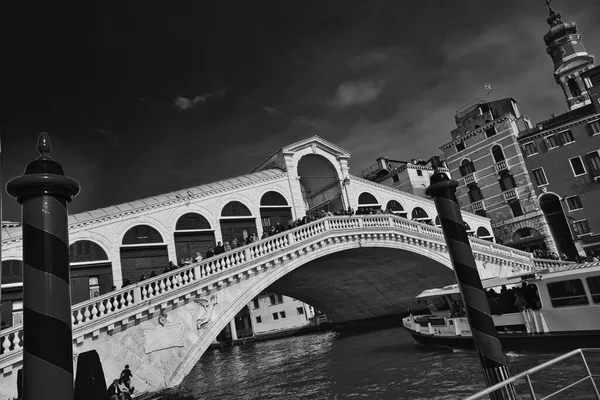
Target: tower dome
[[570, 59]]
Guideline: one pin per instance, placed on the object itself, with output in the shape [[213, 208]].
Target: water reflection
[[375, 365]]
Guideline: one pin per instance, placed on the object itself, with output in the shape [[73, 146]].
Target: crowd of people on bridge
[[223, 247], [550, 255]]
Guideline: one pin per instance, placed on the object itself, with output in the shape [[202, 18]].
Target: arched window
[[507, 181], [367, 198], [142, 234], [191, 221], [574, 87], [497, 153], [483, 233], [273, 199], [85, 251], [525, 233], [418, 213], [394, 206], [12, 271], [235, 209], [466, 167], [475, 193]]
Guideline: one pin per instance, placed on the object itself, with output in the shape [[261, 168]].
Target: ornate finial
[[44, 147], [548, 3]]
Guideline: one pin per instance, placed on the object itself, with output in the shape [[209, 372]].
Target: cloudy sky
[[146, 97]]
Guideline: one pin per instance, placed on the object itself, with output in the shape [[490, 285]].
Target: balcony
[[478, 206], [501, 166], [470, 178], [510, 194]]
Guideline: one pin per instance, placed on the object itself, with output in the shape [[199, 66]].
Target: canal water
[[384, 364]]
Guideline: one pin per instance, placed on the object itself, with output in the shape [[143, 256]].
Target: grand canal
[[384, 364]]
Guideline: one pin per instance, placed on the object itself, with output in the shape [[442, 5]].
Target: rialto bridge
[[350, 268]]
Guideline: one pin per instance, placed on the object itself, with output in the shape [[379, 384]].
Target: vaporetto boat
[[551, 309]]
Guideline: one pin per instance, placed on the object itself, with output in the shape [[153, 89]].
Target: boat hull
[[562, 341]]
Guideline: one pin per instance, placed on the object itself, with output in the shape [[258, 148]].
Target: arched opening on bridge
[[320, 184], [483, 233], [91, 271], [367, 204], [12, 293], [237, 222], [395, 207], [143, 251], [418, 214], [193, 234], [559, 227], [363, 283], [528, 239], [239, 328], [274, 208], [470, 231]]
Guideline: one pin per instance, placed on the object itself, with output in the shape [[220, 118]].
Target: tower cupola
[[563, 43]]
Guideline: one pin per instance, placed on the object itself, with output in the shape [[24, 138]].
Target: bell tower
[[564, 45]]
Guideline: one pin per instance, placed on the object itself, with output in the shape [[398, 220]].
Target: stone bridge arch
[[245, 291]]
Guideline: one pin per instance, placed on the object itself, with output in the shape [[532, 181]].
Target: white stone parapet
[[114, 311]]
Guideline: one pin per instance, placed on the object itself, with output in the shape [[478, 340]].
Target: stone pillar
[[44, 191], [487, 344], [298, 207], [233, 330]]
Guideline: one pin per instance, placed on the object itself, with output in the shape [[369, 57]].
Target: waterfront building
[[562, 152], [409, 176], [485, 158], [118, 245], [268, 315], [273, 312]]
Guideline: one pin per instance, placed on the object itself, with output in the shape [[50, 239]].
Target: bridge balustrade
[[117, 307]]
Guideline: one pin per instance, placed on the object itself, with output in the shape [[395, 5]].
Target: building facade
[[120, 243], [562, 153], [485, 158], [273, 312]]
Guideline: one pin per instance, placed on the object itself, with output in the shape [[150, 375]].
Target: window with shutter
[[551, 142], [593, 158], [581, 227], [540, 176], [530, 149], [594, 127], [566, 137], [574, 203]]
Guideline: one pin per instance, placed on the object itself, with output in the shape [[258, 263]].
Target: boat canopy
[[487, 283], [562, 271]]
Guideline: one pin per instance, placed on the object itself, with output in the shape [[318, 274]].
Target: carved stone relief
[[207, 307]]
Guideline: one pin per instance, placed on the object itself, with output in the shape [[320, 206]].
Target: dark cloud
[[143, 98]]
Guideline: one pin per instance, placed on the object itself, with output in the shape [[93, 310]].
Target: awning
[[528, 240]]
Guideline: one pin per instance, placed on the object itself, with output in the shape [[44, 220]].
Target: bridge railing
[[104, 311], [542, 263]]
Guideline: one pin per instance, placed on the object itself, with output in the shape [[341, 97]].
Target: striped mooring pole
[[44, 191], [487, 344]]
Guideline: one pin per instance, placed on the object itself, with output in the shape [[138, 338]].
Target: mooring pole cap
[[43, 176]]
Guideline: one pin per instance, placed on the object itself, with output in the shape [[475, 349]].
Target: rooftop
[[12, 230], [560, 120]]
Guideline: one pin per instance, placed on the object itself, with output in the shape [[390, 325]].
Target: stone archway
[[320, 184], [559, 227]]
